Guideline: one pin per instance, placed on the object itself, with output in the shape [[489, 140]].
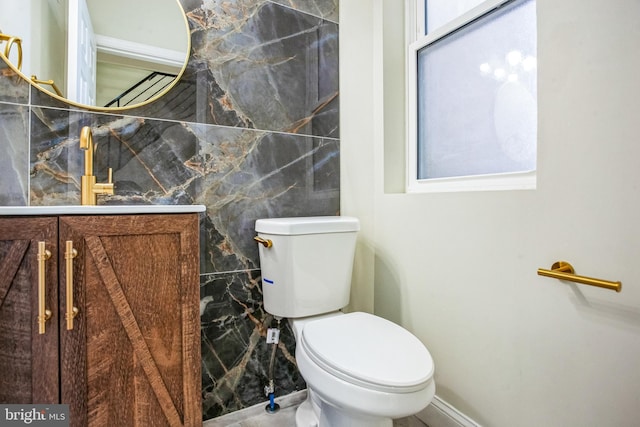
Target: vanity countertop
[[99, 210]]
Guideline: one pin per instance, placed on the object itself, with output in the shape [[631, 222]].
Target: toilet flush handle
[[265, 242]]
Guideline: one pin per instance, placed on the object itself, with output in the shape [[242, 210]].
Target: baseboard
[[441, 414], [438, 414], [234, 418]]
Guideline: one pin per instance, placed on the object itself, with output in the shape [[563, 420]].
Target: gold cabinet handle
[[564, 271], [69, 254], [43, 313], [265, 242]]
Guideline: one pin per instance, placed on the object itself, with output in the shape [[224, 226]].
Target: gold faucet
[[88, 186]]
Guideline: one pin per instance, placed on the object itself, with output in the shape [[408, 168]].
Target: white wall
[[28, 20], [151, 22], [359, 87], [458, 269], [15, 20]]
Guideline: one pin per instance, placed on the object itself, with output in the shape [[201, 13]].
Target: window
[[472, 96]]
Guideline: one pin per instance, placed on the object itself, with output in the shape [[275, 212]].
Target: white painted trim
[[502, 181], [139, 52], [414, 20], [441, 414], [459, 22]]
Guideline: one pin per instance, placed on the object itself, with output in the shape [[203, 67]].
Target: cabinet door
[[28, 358], [133, 355]]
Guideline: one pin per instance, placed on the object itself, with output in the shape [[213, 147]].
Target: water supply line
[[273, 338]]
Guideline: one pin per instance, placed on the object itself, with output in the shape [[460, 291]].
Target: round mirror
[[96, 54]]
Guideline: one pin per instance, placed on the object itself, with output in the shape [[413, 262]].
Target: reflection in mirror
[[99, 54]]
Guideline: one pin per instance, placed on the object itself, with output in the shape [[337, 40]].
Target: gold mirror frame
[[36, 83]]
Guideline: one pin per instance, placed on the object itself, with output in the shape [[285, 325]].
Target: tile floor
[[256, 416]]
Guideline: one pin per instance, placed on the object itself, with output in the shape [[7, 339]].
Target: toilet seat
[[368, 351]]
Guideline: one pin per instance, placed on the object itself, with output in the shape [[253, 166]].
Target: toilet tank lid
[[307, 225]]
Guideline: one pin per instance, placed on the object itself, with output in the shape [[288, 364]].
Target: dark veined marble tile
[[247, 175], [14, 161], [13, 88], [196, 97], [327, 9], [151, 161], [149, 158], [275, 67], [254, 64], [55, 158], [217, 252], [179, 103], [43, 98], [235, 355]]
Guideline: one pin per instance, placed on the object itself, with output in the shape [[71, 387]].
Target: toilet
[[361, 370]]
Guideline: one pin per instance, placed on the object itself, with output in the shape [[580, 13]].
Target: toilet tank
[[307, 269]]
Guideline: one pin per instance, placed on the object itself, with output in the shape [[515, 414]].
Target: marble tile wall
[[251, 131]]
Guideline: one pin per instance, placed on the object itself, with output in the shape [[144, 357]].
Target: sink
[[99, 210]]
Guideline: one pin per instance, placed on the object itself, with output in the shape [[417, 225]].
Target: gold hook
[[7, 49], [51, 83]]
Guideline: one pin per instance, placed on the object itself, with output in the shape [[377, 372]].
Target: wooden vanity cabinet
[[29, 361], [132, 355]]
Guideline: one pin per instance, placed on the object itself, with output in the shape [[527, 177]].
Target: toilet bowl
[[361, 370]]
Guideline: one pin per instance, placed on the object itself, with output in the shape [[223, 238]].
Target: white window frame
[[416, 40]]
